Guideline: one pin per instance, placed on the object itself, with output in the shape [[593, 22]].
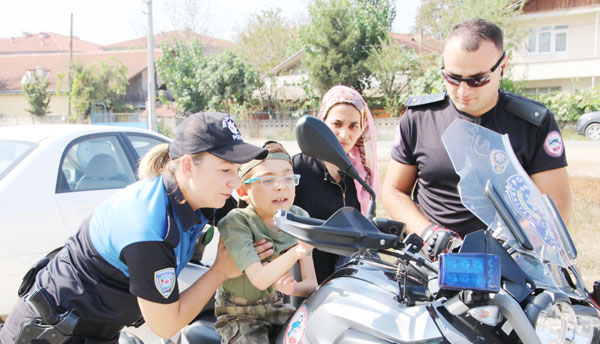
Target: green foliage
[[264, 41], [435, 18], [198, 83], [100, 83], [394, 66], [179, 67], [35, 89], [164, 129], [429, 82], [340, 37], [568, 107]]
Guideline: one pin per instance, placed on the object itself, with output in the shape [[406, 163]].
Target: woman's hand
[[263, 248], [286, 284], [224, 263]]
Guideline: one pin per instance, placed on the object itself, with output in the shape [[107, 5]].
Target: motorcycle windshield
[[481, 156]]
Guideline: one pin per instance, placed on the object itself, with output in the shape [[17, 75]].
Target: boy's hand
[[286, 284], [308, 247]]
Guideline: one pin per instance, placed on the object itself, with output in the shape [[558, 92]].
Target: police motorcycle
[[514, 282]]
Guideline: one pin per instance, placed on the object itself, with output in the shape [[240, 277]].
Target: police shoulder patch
[[164, 280], [426, 99], [526, 109]]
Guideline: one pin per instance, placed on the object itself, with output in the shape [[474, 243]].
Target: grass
[[570, 134], [584, 228]]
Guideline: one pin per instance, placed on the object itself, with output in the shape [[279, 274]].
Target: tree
[[178, 67], [394, 66], [264, 43], [198, 83], [340, 38], [100, 83], [435, 18], [35, 89], [228, 81], [190, 16]]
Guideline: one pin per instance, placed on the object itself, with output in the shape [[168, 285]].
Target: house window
[[542, 90], [548, 39]]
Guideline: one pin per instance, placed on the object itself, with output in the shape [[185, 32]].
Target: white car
[[51, 178]]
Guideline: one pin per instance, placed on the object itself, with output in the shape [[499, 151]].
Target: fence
[[279, 129], [283, 129]]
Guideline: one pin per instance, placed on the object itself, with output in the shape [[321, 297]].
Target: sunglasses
[[476, 81]]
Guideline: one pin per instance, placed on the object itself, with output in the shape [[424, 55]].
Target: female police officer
[[123, 262]]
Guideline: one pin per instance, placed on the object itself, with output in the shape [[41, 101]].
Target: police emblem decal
[[165, 281], [553, 144], [228, 123], [525, 203], [499, 161], [295, 329]]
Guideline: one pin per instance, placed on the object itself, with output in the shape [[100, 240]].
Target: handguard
[[51, 327]]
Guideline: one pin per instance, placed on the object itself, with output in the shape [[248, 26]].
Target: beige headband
[[252, 164]]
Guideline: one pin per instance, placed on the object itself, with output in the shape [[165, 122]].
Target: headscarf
[[364, 153]]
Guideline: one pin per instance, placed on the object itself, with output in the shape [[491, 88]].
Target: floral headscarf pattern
[[364, 153]]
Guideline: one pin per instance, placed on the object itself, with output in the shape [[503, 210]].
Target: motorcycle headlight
[[559, 323]]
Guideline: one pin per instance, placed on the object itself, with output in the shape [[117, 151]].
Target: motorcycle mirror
[[317, 140]]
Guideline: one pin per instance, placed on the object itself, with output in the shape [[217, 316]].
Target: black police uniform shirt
[[531, 128], [321, 196], [134, 245]]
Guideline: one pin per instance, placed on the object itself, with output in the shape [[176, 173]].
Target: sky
[[113, 21]]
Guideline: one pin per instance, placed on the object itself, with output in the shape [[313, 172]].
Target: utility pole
[[70, 69], [151, 74]]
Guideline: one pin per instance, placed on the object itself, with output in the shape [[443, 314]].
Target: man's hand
[[438, 239]]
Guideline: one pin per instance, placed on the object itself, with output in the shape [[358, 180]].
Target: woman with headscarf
[[324, 189]]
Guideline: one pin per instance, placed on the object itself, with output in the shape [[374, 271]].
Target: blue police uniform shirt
[[134, 245]]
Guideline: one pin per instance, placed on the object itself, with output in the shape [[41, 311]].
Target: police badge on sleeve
[[165, 281]]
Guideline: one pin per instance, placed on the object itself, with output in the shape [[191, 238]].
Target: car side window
[[142, 144], [95, 163]]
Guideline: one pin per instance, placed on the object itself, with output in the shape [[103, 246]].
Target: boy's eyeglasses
[[476, 81], [270, 181]]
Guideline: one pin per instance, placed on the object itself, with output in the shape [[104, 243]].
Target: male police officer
[[473, 64]]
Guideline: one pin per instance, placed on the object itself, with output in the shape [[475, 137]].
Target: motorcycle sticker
[[524, 202], [165, 281], [499, 161], [295, 330], [553, 145]]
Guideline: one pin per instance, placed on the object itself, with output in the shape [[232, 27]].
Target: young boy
[[250, 307]]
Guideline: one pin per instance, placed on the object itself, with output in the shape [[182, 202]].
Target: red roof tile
[[13, 67], [418, 43], [140, 43], [44, 42]]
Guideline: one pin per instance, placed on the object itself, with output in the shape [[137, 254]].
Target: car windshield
[[11, 153], [484, 160]]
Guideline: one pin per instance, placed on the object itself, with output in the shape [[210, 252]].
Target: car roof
[[37, 133]]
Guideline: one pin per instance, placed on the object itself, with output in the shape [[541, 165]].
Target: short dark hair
[[475, 30]]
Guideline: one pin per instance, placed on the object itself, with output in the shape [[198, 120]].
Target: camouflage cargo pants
[[240, 321]]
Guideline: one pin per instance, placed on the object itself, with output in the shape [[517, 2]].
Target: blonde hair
[[157, 161]]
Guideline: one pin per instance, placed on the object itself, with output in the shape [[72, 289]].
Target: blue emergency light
[[470, 271]]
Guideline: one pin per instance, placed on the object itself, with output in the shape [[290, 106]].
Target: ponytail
[[154, 162]]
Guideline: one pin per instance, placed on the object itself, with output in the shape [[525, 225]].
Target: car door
[[92, 168]]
